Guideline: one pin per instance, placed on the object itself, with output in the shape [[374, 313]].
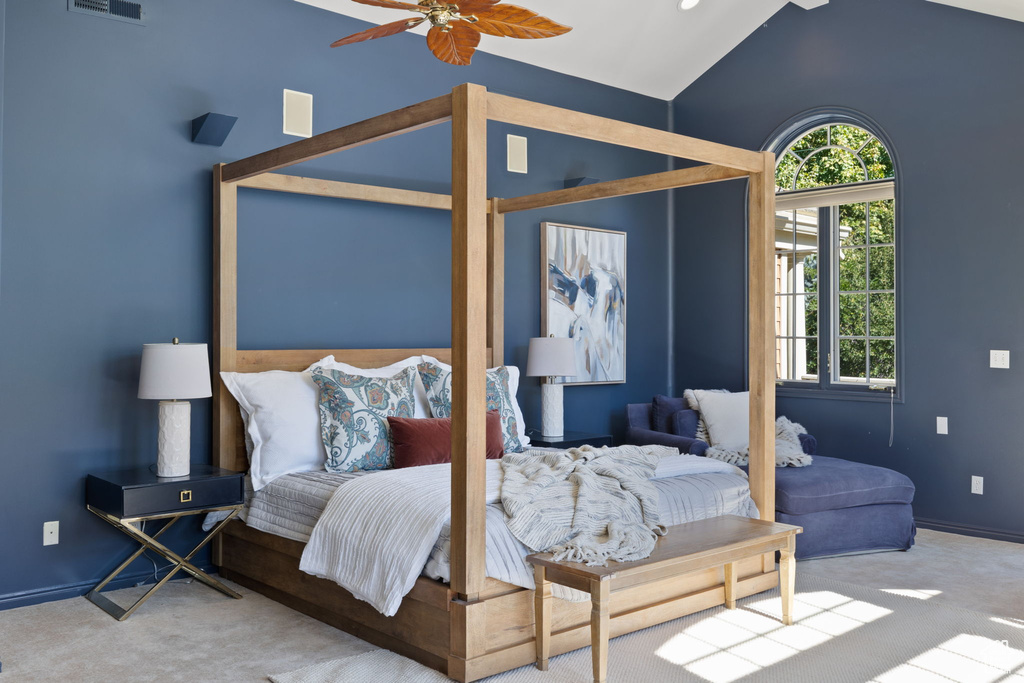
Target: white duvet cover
[[378, 530]]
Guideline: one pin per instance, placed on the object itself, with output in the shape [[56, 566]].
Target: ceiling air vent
[[119, 10]]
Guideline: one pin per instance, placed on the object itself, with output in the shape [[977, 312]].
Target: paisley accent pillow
[[438, 383], [354, 413]]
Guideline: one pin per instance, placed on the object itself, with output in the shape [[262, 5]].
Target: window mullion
[[825, 296]]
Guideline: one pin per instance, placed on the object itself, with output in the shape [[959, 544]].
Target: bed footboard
[[466, 640]]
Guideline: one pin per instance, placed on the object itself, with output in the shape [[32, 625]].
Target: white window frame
[[827, 199]]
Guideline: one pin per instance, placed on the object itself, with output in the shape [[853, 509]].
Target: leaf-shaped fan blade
[[379, 31], [456, 46], [392, 4], [516, 22], [470, 6]]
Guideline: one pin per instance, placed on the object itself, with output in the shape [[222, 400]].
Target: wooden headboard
[[231, 454]]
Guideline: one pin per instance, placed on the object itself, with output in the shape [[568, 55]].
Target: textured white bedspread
[[381, 530], [377, 531]]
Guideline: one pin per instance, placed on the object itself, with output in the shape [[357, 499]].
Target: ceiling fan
[[455, 28]]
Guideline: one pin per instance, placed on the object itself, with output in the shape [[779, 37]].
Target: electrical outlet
[[942, 425], [978, 485], [999, 359], [51, 533]]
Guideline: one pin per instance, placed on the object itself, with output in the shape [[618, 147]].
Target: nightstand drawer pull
[[186, 496]]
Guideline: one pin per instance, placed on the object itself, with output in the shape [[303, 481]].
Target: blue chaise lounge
[[843, 506]]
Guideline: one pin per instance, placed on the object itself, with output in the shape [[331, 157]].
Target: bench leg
[[542, 617], [730, 585], [787, 579], [600, 595]]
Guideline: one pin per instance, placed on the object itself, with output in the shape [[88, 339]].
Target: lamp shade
[[551, 357], [174, 371]]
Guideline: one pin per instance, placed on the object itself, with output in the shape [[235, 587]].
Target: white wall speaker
[[298, 114], [516, 145]]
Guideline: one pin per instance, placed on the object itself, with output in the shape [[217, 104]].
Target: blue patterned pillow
[[438, 383], [354, 413]]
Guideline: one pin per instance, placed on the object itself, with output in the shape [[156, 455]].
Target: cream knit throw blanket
[[584, 504]]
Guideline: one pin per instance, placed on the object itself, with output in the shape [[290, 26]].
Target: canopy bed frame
[[476, 626]]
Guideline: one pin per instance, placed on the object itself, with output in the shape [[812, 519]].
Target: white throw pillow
[[513, 390], [726, 415], [283, 422]]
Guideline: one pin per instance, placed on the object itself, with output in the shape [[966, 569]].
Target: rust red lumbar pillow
[[428, 441]]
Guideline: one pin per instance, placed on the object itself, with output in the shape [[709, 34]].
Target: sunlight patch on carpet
[[1006, 621], [737, 643], [964, 659], [912, 593]]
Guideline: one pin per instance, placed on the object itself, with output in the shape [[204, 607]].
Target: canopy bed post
[[225, 313], [469, 338], [225, 319], [761, 235], [496, 283]]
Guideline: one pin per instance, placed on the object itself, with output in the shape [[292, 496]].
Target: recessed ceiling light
[[687, 4]]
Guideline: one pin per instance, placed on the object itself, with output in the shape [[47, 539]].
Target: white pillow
[[419, 392], [513, 389], [727, 417], [283, 422]]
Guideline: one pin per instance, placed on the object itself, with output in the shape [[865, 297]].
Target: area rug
[[841, 633]]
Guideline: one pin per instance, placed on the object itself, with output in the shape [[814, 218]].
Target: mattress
[[291, 505]]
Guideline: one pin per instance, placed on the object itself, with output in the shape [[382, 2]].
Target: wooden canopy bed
[[476, 626]]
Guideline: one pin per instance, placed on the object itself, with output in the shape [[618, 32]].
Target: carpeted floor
[[841, 634], [960, 571], [188, 632]]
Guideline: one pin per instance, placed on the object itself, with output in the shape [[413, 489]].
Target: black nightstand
[[128, 497], [568, 439]]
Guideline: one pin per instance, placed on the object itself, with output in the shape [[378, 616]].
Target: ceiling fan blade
[[392, 4], [470, 6], [455, 46], [512, 21], [379, 31]]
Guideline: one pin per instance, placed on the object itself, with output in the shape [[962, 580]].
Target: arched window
[[835, 245]]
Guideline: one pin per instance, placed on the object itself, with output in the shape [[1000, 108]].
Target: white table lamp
[[171, 373], [551, 357]]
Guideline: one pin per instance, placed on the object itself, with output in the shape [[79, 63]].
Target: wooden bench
[[713, 542]]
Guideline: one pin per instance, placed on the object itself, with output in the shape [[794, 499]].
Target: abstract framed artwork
[[583, 290]]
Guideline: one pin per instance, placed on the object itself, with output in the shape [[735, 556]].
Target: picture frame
[[583, 296]]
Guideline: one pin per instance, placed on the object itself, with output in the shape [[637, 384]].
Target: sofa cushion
[[662, 410], [832, 484], [727, 416], [684, 423]]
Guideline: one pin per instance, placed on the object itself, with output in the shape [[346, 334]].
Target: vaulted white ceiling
[[658, 51], [1007, 9]]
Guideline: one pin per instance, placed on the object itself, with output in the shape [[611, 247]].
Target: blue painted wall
[[944, 84], [106, 235]]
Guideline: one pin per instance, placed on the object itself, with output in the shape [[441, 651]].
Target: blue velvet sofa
[[844, 507]]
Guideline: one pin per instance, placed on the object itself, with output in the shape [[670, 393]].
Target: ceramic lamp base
[[173, 439], [551, 409]]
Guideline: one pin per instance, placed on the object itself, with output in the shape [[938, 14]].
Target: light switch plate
[[999, 359], [942, 425]]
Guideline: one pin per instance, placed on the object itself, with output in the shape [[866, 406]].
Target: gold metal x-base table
[[149, 542]]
